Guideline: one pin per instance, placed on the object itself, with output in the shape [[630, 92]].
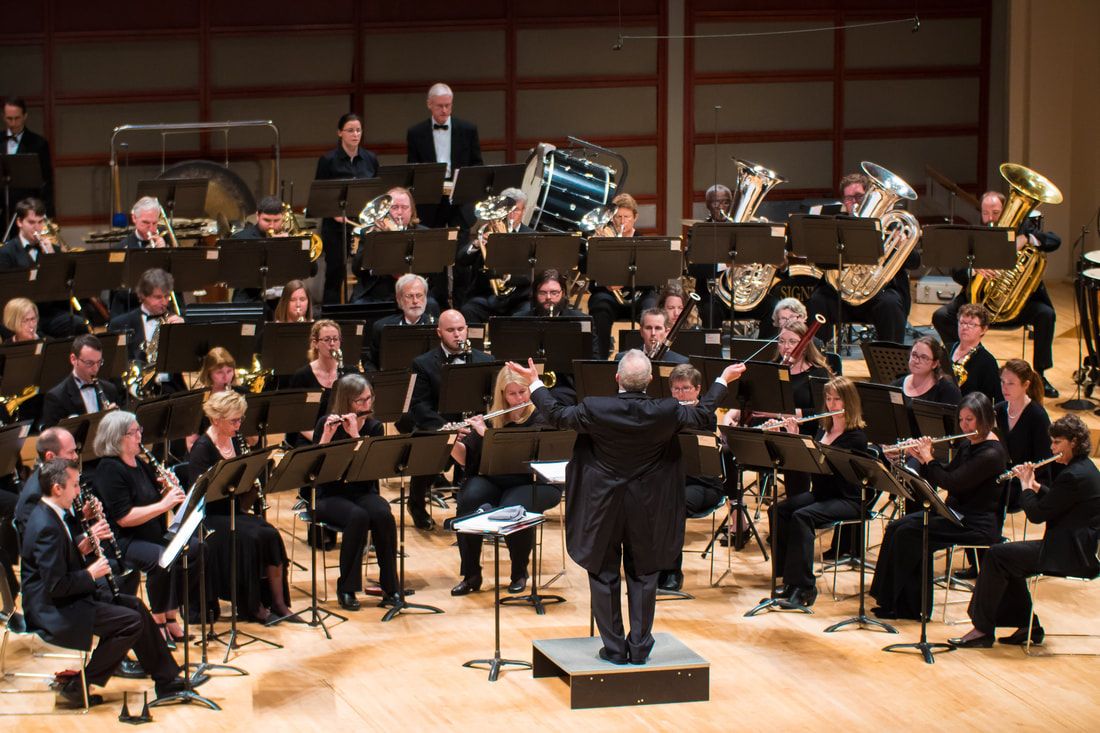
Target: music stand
[[95, 271], [281, 349], [886, 361], [935, 420], [764, 387], [528, 253], [401, 457], [392, 393], [334, 198], [870, 475], [927, 495], [54, 278], [170, 417], [19, 284], [596, 378], [885, 412], [700, 455], [256, 263], [20, 367], [12, 438], [18, 171], [946, 245], [183, 197], [424, 180], [304, 468], [83, 429], [631, 262], [466, 389], [192, 268], [399, 345], [477, 182], [749, 349], [423, 251], [284, 411], [182, 346], [557, 341], [699, 341]]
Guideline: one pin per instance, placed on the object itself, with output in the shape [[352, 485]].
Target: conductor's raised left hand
[[529, 372]]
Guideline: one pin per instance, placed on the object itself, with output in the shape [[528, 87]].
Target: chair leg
[[1034, 582], [947, 580]]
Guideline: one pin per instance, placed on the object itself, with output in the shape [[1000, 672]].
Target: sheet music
[[482, 524], [551, 471], [187, 531]]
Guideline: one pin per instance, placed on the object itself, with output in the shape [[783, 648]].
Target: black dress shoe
[[884, 613], [606, 656], [517, 585], [1048, 389], [970, 573], [674, 581], [71, 693], [131, 670], [423, 521], [804, 597], [468, 586], [348, 601], [783, 591], [1019, 636], [171, 687], [978, 642]]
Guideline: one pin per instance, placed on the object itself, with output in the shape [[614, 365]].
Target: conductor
[[625, 493]]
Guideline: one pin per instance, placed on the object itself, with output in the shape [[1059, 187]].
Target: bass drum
[[798, 282], [562, 188]]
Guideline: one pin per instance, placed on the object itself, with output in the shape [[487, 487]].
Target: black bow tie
[[149, 316], [87, 385], [452, 358], [439, 127]]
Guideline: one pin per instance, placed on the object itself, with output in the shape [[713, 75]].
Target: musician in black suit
[[346, 160], [424, 407], [376, 286], [1037, 310], [625, 497], [25, 250], [269, 223], [62, 598], [18, 140], [654, 329], [1071, 509], [417, 309], [481, 302], [145, 234], [52, 443], [443, 138], [154, 292], [81, 392]]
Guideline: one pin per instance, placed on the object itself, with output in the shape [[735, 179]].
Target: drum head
[[532, 183], [227, 196], [1092, 257], [1091, 276]]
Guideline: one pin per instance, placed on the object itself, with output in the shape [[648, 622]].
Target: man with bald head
[[52, 443], [424, 407]]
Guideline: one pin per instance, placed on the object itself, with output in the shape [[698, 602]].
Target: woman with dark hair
[[346, 160], [973, 493], [1023, 422], [295, 305], [926, 379], [971, 364]]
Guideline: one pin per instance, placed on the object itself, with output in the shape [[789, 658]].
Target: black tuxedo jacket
[[29, 497], [625, 483], [133, 323], [59, 596], [424, 406], [14, 256], [465, 146], [35, 144], [374, 358], [1071, 510], [64, 400]]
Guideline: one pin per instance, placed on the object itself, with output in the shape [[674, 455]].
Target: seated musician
[[790, 310], [424, 407], [323, 369], [482, 303], [137, 501], [974, 368], [926, 379], [295, 305], [1071, 509], [1023, 422], [672, 300], [604, 303], [417, 309], [81, 392], [379, 287], [145, 217], [261, 555], [970, 480], [62, 598], [654, 329], [217, 373], [549, 297], [154, 292], [509, 390], [888, 309], [24, 251], [700, 492], [830, 499], [356, 508], [52, 443], [21, 320], [269, 223], [1037, 310]]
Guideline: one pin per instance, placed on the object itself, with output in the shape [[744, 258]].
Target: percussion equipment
[[563, 187], [1087, 287]]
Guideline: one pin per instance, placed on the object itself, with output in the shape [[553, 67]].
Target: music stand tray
[[182, 197]]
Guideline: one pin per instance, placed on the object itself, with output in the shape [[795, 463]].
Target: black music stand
[[467, 389], [115, 355], [764, 387], [885, 412], [283, 346], [949, 245], [183, 197], [870, 475], [192, 268], [935, 420], [54, 278], [20, 367], [927, 495], [352, 342], [392, 393], [256, 263], [423, 251], [170, 417], [698, 341], [477, 182], [95, 271], [83, 429], [19, 284], [401, 457], [55, 362], [424, 180], [12, 438], [750, 349], [596, 378], [283, 411], [305, 468], [556, 341], [334, 198], [399, 345], [631, 262], [182, 346], [529, 253], [886, 361], [18, 171], [511, 451]]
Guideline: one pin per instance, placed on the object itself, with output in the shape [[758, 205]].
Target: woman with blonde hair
[[21, 319]]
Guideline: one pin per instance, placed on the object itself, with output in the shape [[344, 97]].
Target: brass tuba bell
[[492, 218]]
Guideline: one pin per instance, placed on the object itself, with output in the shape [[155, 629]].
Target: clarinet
[[244, 450], [111, 542], [97, 547], [104, 403]]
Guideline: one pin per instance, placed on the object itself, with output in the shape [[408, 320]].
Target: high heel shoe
[[167, 636]]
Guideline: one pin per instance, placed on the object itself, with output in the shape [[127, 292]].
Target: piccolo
[[910, 442], [1008, 474], [488, 416], [776, 422]]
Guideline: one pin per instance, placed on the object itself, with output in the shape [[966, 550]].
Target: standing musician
[[974, 368], [625, 498], [888, 310], [262, 587], [137, 503], [378, 287], [357, 508], [1038, 310], [1071, 509], [701, 493], [424, 406], [154, 291], [295, 305], [346, 160], [510, 390], [481, 303], [970, 480], [603, 305], [655, 324], [719, 201], [21, 141], [21, 320], [323, 369], [81, 392], [830, 500], [63, 600], [417, 309], [926, 379]]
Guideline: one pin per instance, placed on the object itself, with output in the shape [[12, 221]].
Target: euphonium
[[291, 228], [1005, 296], [11, 403], [493, 218], [600, 222], [900, 230], [746, 285]]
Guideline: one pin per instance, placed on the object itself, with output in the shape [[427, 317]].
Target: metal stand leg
[[400, 605], [533, 598], [496, 663], [780, 604], [317, 615], [861, 618], [203, 666]]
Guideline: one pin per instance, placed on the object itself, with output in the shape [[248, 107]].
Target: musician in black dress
[[974, 368], [926, 379], [970, 480], [805, 363], [1071, 509], [136, 503], [1023, 423], [356, 508], [262, 587], [346, 160], [830, 499], [510, 390], [323, 368], [295, 305]]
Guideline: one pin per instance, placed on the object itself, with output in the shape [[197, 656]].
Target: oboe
[[1008, 474]]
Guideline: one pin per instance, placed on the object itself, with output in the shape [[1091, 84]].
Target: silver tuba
[[745, 286], [900, 231]]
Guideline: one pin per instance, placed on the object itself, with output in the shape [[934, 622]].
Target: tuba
[[1004, 296], [746, 285], [900, 230], [291, 228], [492, 218]]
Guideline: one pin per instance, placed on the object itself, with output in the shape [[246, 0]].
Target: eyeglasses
[[913, 356], [683, 387], [550, 293], [234, 419], [969, 324], [91, 362], [136, 430], [788, 342], [362, 400], [854, 199], [330, 339]]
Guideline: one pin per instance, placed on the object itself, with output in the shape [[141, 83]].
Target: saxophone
[[1005, 296], [138, 375], [959, 367]]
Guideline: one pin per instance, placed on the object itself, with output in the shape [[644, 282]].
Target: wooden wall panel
[[126, 66], [453, 55], [806, 165], [302, 121], [598, 112], [388, 116], [766, 106], [956, 157], [86, 128], [940, 42], [277, 60], [762, 53], [579, 52], [23, 72], [908, 102]]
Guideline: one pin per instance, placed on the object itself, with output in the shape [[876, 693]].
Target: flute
[[776, 422], [1008, 474], [902, 445], [489, 416]]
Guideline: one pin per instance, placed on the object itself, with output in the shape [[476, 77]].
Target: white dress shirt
[[442, 140]]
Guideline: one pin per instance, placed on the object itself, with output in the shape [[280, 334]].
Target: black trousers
[[607, 608], [697, 498], [164, 587], [1036, 311], [1001, 597], [355, 516], [500, 491], [121, 626], [336, 259], [887, 311], [605, 310], [795, 519]]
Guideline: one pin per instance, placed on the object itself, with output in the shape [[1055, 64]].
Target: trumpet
[[489, 416], [1008, 474], [903, 445], [776, 422]]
